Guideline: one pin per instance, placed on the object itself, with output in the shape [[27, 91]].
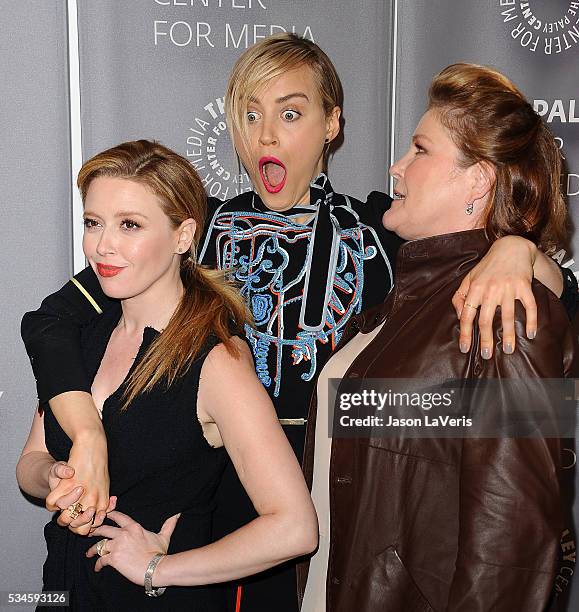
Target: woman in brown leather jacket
[[469, 524]]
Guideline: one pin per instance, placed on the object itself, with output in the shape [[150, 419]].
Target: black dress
[[160, 464]]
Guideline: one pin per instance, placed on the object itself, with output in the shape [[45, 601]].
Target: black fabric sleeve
[[371, 214], [570, 295], [51, 335], [209, 258]]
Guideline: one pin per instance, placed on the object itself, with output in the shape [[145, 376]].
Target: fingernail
[[508, 348], [78, 490], [486, 353], [463, 347], [459, 313], [532, 334]]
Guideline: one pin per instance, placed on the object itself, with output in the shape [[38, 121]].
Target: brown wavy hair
[[210, 304], [489, 120]]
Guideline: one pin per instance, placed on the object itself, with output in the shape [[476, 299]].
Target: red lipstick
[[107, 271], [273, 174]]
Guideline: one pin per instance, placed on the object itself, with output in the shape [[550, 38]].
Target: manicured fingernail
[[508, 348], [78, 490], [459, 313], [486, 353], [532, 334], [463, 347]]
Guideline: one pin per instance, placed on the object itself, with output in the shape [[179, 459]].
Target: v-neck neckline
[[149, 334]]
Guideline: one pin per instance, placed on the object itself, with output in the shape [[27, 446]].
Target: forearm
[[32, 473], [78, 416], [547, 272], [255, 547]]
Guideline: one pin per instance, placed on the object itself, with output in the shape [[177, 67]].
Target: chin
[[275, 201], [116, 293], [114, 289], [389, 221]]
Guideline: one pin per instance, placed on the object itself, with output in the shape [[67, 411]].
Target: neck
[[154, 307]]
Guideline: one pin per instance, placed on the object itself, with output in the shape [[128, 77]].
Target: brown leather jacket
[[444, 524]]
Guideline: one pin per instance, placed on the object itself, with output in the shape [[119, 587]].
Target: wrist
[[160, 576], [533, 250], [152, 585]]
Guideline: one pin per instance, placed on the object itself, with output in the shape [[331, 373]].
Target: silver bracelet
[[149, 590]]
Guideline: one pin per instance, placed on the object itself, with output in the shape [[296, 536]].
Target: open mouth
[[398, 195], [273, 174]]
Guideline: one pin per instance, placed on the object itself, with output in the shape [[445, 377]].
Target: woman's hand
[[503, 275], [79, 418], [129, 547], [59, 472], [61, 478], [89, 459]]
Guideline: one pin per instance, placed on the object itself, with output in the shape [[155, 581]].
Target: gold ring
[[100, 547], [75, 509], [462, 295], [471, 306]]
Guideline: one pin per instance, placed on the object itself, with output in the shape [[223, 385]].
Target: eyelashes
[[129, 222], [126, 224], [289, 115], [89, 223]]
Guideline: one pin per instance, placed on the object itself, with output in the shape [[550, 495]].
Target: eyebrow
[[421, 136], [296, 94], [122, 213]]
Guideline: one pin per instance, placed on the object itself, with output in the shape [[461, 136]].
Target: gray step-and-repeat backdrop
[[35, 232], [158, 69]]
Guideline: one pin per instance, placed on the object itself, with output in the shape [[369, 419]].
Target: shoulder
[[237, 356], [213, 204], [228, 379]]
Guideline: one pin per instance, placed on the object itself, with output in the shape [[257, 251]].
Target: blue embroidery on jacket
[[256, 245]]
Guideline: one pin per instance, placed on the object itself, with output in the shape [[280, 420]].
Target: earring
[[469, 208], [192, 259]]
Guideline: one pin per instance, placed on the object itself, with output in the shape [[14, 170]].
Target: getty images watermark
[[420, 408]]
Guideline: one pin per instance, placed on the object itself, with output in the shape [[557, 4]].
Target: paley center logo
[[210, 151], [542, 27], [561, 115]]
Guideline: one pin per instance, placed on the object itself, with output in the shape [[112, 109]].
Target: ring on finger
[[75, 509], [100, 547], [470, 305], [462, 295]]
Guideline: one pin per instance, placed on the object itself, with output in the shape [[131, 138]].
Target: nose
[[105, 245], [268, 133], [397, 168]]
